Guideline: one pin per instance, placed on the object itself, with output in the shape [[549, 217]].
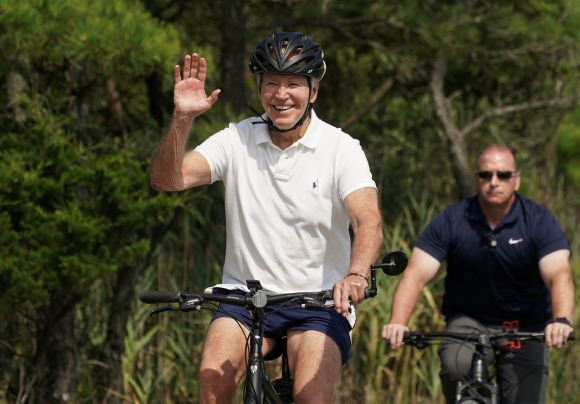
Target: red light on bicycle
[[512, 327]]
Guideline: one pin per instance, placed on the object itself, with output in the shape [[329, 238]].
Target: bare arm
[[171, 168], [365, 217], [555, 271], [421, 269]]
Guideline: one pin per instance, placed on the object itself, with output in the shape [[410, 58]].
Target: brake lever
[[416, 341], [162, 309]]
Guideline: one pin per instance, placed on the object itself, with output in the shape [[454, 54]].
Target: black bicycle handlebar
[[422, 339], [392, 264], [259, 299]]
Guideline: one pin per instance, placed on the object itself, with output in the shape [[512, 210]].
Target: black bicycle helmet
[[288, 52]]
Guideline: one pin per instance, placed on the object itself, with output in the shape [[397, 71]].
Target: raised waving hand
[[189, 93]]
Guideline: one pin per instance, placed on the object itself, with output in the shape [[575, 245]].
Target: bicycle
[[258, 388], [480, 388]]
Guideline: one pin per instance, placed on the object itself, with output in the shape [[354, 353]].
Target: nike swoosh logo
[[512, 241]]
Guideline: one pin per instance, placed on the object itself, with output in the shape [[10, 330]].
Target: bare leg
[[221, 361], [315, 364]]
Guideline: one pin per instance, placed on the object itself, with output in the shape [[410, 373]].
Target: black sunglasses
[[501, 175]]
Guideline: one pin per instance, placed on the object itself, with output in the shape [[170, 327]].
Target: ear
[[259, 85], [314, 92], [517, 182]]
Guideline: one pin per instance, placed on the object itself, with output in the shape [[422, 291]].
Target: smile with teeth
[[282, 107]]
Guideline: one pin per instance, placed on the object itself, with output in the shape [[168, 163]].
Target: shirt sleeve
[[548, 235], [216, 149], [355, 172], [435, 238]]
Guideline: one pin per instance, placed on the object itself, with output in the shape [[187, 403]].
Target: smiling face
[[496, 190], [285, 97]]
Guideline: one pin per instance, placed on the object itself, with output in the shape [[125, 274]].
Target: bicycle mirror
[[394, 263]]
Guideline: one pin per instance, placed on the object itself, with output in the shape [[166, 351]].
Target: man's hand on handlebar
[[349, 290], [393, 333], [556, 334]]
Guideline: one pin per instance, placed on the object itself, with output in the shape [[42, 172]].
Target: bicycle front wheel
[[284, 391]]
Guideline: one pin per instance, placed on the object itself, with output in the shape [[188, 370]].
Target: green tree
[[77, 211], [87, 90]]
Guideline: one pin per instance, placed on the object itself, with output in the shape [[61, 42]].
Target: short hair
[[499, 147]]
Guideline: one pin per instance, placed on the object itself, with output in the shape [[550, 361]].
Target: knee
[[209, 376], [455, 367], [217, 381]]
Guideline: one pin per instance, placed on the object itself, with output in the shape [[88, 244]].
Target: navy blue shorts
[[290, 316]]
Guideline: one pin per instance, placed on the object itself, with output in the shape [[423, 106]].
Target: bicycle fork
[[479, 378]]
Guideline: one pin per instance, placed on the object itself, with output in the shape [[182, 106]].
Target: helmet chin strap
[[300, 122]]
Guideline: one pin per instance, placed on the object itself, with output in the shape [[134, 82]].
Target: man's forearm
[[366, 247], [562, 295], [167, 162], [404, 301]]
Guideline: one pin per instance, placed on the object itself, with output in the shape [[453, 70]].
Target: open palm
[[189, 92]]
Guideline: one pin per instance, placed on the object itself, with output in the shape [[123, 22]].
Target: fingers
[[557, 334], [347, 291], [202, 67], [214, 96], [187, 67], [393, 334], [191, 65], [341, 301]]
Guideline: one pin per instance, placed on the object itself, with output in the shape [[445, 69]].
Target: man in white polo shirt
[[294, 184]]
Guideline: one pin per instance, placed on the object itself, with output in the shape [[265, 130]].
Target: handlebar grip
[[571, 337], [370, 292], [157, 296]]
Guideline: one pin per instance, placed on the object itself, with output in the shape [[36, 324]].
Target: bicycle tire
[[470, 400], [284, 388]]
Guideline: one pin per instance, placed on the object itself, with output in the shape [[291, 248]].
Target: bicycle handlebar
[[421, 339], [392, 264], [258, 299]]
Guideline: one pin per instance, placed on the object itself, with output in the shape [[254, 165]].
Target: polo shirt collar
[[309, 140], [473, 210]]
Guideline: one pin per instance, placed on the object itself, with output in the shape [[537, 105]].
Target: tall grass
[[563, 386], [162, 355]]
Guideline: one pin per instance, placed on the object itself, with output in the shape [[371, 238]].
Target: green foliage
[[69, 30], [75, 198], [75, 203], [71, 214], [567, 149]]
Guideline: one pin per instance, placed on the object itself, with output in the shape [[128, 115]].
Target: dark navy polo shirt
[[493, 275]]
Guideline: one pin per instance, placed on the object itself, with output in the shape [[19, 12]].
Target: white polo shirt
[[287, 225]]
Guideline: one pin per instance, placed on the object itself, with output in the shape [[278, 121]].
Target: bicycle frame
[[479, 382], [257, 382]]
